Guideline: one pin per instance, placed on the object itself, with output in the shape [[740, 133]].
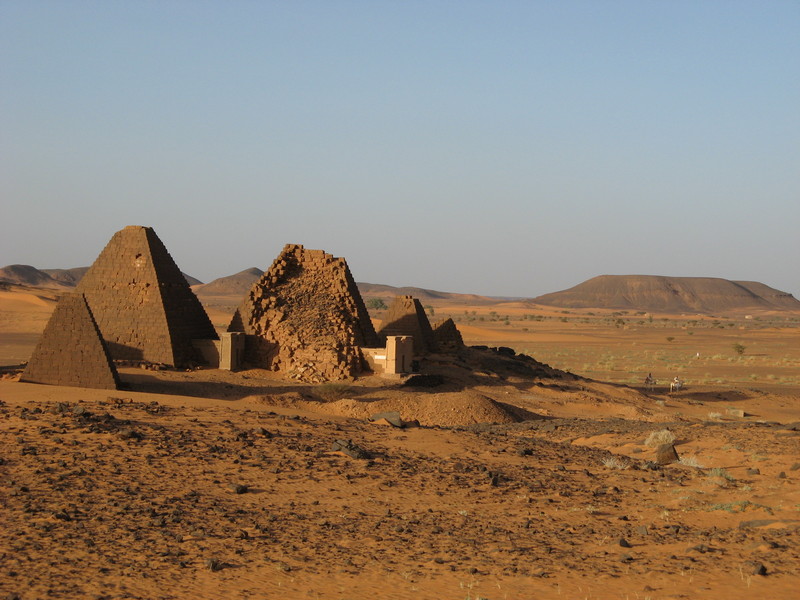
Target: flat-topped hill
[[671, 294]]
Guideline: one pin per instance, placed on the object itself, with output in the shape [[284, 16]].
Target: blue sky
[[504, 148]]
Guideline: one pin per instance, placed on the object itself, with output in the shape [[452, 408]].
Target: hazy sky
[[504, 148]]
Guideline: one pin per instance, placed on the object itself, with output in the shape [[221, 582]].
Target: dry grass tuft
[[657, 438]]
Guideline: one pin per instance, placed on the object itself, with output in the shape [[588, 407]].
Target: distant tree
[[376, 304], [738, 348]]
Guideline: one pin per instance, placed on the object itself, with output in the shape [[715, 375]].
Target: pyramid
[[407, 317], [71, 350], [305, 317], [447, 335], [142, 303]]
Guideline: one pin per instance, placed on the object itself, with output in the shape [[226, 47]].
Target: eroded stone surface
[[305, 317]]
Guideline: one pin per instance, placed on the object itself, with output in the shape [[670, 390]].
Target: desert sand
[[521, 480]]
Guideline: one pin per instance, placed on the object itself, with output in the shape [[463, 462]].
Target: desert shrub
[[657, 438], [376, 304], [614, 462], [690, 461], [333, 391], [738, 348], [718, 472]]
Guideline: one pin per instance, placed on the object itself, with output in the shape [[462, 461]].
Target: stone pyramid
[[406, 316], [447, 335], [71, 350], [142, 304], [305, 317]]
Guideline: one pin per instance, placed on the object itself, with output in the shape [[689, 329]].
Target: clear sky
[[495, 147]]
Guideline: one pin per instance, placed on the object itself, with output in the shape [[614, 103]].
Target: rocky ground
[[145, 495]]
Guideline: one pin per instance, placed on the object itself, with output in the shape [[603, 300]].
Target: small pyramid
[[447, 335], [142, 304], [406, 316], [71, 351], [305, 317]]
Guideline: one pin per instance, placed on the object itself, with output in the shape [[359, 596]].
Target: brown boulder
[[666, 454]]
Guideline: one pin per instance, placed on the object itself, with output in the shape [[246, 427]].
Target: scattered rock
[[623, 543], [350, 449], [130, 434], [753, 471], [238, 488], [212, 564], [388, 418]]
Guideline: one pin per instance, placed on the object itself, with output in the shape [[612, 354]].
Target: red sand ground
[[133, 494]]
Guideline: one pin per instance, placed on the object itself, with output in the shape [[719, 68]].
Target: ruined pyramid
[[406, 316], [71, 350], [447, 336], [141, 302], [305, 317]]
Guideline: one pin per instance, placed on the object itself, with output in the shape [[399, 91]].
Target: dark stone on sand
[[623, 543], [238, 488], [350, 449], [262, 432], [666, 454], [392, 417], [755, 568], [212, 564], [130, 434]]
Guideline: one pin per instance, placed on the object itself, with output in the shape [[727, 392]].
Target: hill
[[670, 294], [232, 285], [69, 277], [53, 278], [30, 276], [375, 290]]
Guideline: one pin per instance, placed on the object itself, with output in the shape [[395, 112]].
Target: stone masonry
[[406, 316], [305, 317], [71, 351], [142, 304]]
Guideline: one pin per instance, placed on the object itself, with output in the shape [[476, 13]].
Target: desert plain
[[528, 476]]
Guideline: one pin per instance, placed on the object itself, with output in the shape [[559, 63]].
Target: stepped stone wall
[[305, 317], [406, 316], [71, 351], [447, 335], [142, 304]]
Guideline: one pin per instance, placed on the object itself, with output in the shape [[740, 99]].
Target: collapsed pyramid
[[407, 317], [305, 317], [142, 304], [71, 351], [447, 335]]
